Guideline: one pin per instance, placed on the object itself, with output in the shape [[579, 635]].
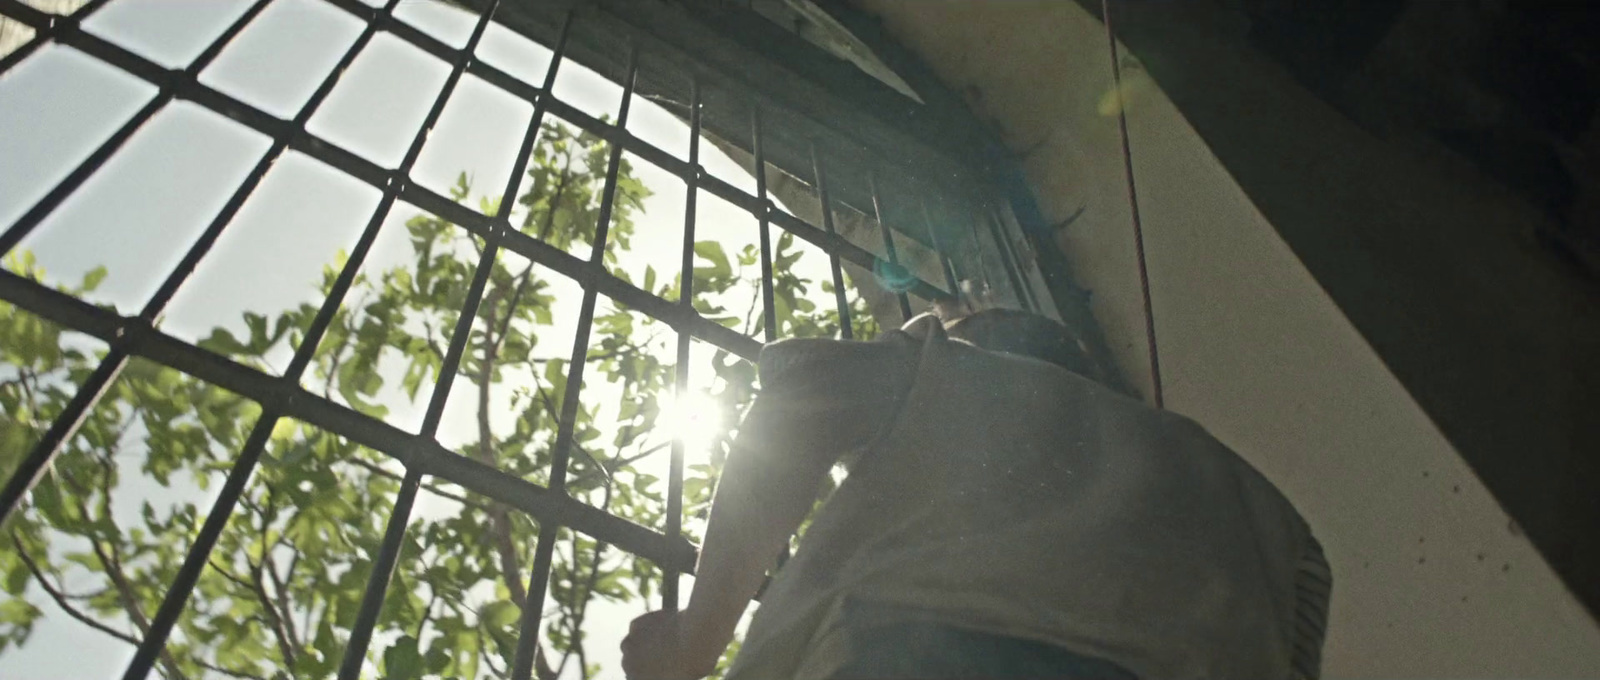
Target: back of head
[[1030, 335]]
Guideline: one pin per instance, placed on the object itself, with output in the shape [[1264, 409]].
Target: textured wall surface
[[1433, 578]]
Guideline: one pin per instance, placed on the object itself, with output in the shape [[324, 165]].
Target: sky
[[140, 211]]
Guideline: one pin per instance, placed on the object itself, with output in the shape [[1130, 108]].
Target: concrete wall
[[1433, 578]]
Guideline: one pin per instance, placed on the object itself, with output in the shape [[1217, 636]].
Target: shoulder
[[802, 362]]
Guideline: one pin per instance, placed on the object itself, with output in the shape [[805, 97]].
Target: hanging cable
[[1133, 207]]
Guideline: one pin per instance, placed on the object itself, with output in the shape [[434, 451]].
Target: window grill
[[916, 196]]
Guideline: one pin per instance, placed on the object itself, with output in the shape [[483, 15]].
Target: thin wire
[[1133, 206]]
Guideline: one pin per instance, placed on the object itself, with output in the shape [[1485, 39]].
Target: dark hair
[[1030, 335]]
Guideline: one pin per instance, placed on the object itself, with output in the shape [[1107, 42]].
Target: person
[[1004, 516]]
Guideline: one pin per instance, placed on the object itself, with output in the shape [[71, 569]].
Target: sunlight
[[697, 418]]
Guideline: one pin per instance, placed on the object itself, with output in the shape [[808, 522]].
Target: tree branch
[[258, 587], [60, 597], [228, 671], [431, 488], [111, 561], [281, 596]]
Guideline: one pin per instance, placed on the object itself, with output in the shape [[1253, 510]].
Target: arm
[[764, 494], [820, 399]]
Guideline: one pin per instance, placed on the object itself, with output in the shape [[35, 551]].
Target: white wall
[[1432, 578]]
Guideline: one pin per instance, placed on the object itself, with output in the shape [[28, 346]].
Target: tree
[[283, 585]]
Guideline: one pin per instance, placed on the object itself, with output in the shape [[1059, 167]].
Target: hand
[[660, 646]]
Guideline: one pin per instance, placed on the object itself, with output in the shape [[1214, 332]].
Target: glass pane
[[284, 55], [475, 143], [451, 24], [560, 199], [55, 6], [802, 289], [255, 294], [56, 107], [593, 93], [140, 213], [381, 101], [169, 32], [514, 54], [41, 365], [620, 461], [458, 590]]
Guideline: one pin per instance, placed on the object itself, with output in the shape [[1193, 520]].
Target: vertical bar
[[188, 575], [769, 317], [544, 553], [944, 258], [888, 243], [394, 534], [32, 468], [155, 641], [1008, 259], [1005, 222], [669, 582], [529, 619], [977, 253], [355, 652], [846, 330], [58, 194]]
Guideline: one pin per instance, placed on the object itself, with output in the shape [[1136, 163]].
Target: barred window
[[403, 338]]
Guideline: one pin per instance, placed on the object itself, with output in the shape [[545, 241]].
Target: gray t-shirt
[[1008, 496]]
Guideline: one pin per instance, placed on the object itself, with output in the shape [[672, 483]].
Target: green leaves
[[282, 588], [711, 251], [402, 660]]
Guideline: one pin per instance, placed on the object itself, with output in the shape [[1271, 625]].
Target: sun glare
[[697, 418]]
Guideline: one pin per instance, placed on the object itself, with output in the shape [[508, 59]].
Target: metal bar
[[199, 552], [769, 316], [1006, 221], [378, 177], [669, 577], [383, 566], [355, 651], [66, 424], [944, 258], [178, 592], [70, 26], [300, 404], [1007, 260], [544, 550], [44, 24], [888, 243], [155, 639], [977, 253], [846, 328], [33, 467], [716, 186]]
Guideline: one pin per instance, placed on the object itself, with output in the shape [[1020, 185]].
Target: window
[[348, 338]]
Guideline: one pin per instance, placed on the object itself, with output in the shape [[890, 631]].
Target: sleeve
[[1313, 587], [834, 398]]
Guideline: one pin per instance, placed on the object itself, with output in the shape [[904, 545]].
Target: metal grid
[[421, 454]]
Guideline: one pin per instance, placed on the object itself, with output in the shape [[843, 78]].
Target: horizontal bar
[[295, 402], [186, 87]]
